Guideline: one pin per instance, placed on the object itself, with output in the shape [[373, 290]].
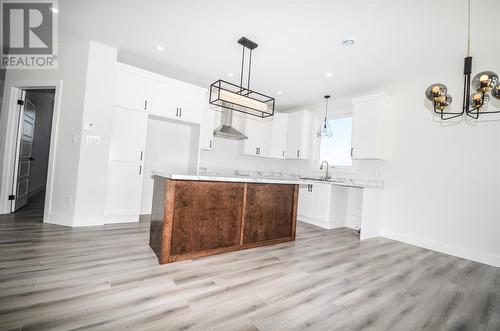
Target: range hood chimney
[[225, 129]]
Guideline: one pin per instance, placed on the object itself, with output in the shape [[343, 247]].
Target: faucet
[[327, 172]]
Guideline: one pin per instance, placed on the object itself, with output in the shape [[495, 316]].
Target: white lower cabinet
[[314, 203]]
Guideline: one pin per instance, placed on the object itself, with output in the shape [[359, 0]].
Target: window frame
[[341, 168]]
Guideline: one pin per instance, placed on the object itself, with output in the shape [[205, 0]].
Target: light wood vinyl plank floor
[[107, 278]]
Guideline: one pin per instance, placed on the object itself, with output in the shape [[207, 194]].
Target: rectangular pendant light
[[234, 97]]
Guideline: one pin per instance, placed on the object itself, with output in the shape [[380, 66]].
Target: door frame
[[9, 121]]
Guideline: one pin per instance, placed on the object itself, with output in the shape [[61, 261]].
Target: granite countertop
[[340, 181]]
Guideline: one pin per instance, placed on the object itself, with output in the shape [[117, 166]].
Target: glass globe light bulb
[[495, 92], [476, 100], [435, 91], [442, 102], [484, 81]]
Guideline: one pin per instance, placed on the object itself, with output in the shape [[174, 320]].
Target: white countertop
[[348, 182]]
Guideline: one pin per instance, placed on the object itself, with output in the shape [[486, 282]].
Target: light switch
[[92, 139]]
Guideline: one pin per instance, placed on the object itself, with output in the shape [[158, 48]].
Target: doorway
[[36, 108]]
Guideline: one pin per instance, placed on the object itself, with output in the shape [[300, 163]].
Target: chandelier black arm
[[443, 113]]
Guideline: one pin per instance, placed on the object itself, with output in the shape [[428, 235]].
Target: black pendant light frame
[[222, 85]]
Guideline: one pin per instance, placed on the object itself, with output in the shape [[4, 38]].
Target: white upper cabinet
[[166, 99], [176, 100], [277, 147], [133, 90], [299, 135], [258, 132], [207, 126], [368, 138]]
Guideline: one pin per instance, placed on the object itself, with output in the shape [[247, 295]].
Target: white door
[[305, 201], [320, 209], [23, 156], [192, 103], [277, 146], [133, 91], [126, 166], [166, 99]]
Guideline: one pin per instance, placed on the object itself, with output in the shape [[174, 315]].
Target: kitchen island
[[195, 216]]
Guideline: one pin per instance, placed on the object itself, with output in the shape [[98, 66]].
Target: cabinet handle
[[298, 153], [283, 153], [177, 112], [352, 151], [145, 104], [140, 159], [180, 112], [140, 170], [210, 144]]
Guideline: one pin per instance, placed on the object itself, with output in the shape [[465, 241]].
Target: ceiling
[[299, 41]]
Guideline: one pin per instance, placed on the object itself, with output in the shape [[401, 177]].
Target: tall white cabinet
[[299, 135], [127, 146]]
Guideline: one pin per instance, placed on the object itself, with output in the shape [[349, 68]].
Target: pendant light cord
[[468, 27]]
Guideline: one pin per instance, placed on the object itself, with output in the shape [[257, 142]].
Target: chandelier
[[472, 104]]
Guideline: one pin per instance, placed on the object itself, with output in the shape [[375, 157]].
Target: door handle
[[140, 170], [32, 158]]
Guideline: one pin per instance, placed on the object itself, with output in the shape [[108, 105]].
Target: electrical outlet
[[67, 200]]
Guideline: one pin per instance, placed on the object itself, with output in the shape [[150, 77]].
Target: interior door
[[23, 156]]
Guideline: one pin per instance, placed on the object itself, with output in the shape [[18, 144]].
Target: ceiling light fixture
[[160, 48], [240, 98], [348, 42], [329, 74], [472, 105], [54, 10], [325, 130], [279, 92], [230, 74]]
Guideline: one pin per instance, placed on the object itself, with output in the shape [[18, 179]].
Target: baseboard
[[121, 219], [314, 222], [57, 219], [442, 247]]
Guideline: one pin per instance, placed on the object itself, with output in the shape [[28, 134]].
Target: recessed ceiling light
[[54, 10], [348, 42], [160, 48], [279, 92], [230, 74], [329, 74]]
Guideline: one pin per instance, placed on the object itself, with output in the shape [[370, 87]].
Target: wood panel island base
[[195, 218]]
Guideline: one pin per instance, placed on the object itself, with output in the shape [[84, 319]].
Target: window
[[337, 150]]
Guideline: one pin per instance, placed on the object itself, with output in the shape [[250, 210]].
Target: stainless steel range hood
[[225, 129]]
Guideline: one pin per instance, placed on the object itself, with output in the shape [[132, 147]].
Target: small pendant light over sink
[[325, 130]]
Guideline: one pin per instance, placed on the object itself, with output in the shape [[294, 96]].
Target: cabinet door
[[166, 98], [206, 216], [124, 190], [299, 135], [320, 209], [128, 135], [258, 132], [305, 201], [277, 146], [192, 103], [207, 127], [268, 212], [133, 91]]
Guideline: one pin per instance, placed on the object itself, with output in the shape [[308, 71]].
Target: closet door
[[126, 165]]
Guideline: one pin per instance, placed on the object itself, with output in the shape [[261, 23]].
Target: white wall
[[44, 105], [85, 75], [97, 109], [71, 74], [167, 149]]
